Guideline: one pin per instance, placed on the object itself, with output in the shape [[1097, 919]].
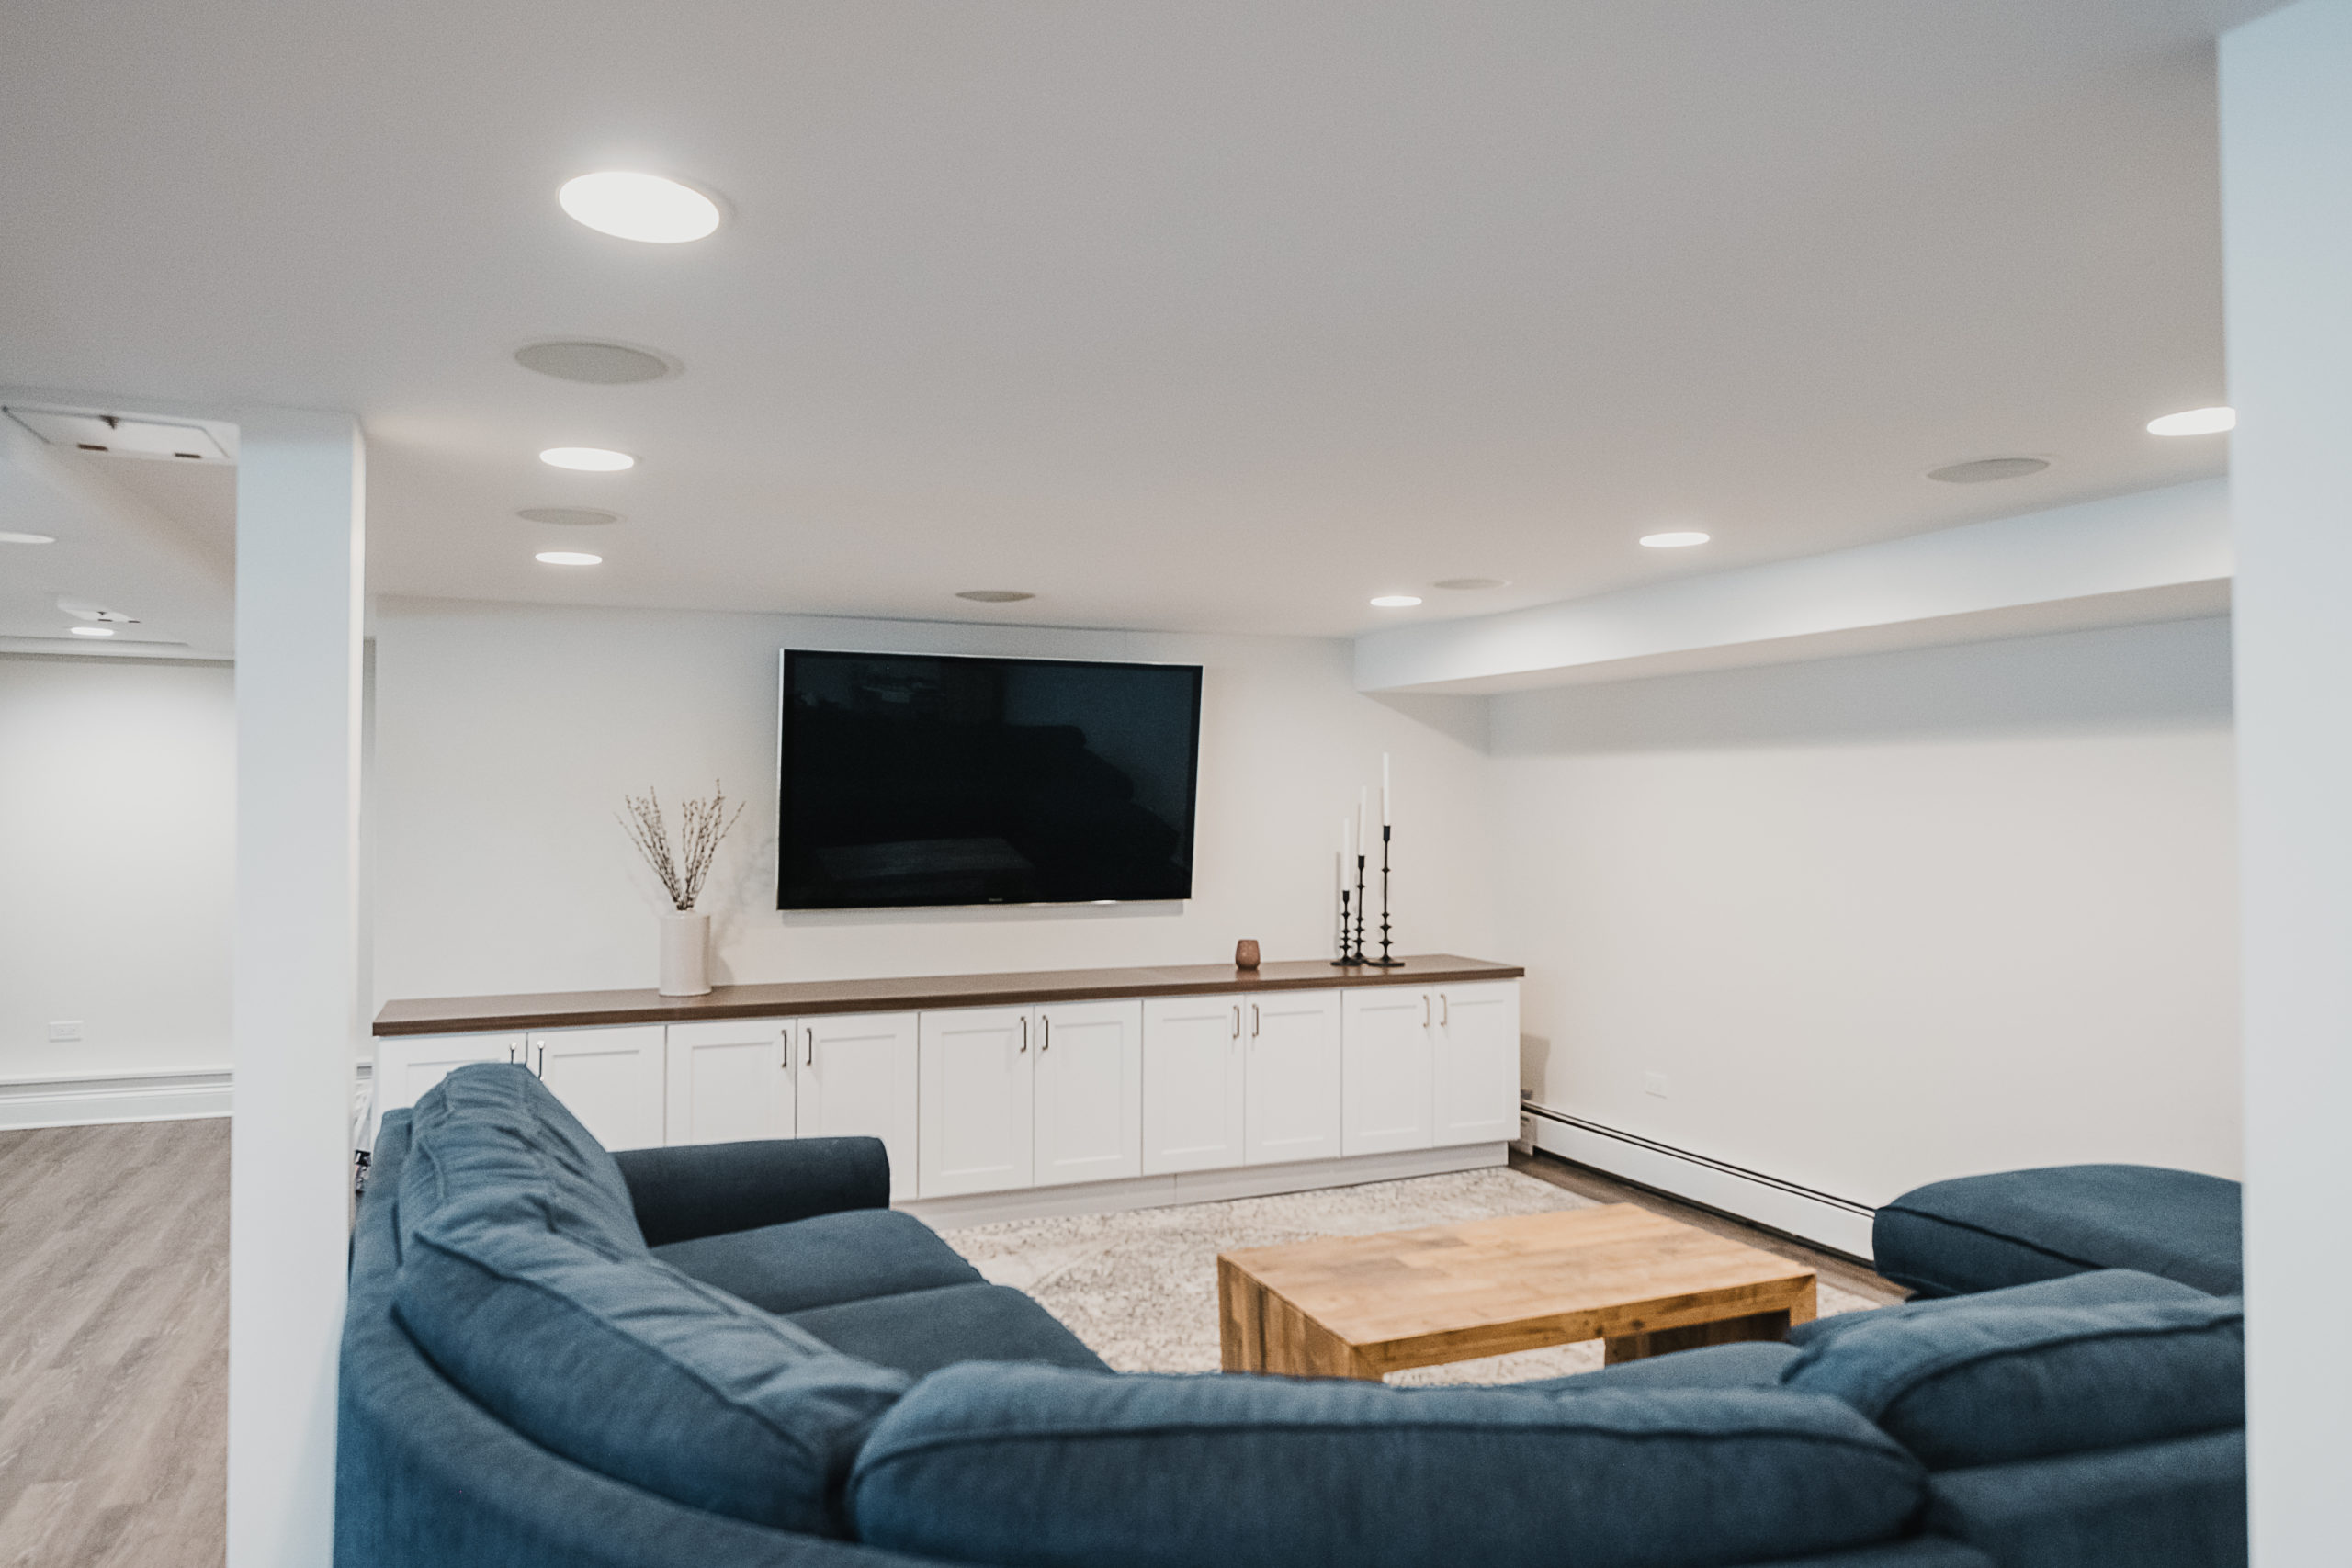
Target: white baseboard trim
[[1198, 1186], [87, 1099], [1837, 1224]]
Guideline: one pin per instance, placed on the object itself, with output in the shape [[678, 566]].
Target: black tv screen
[[915, 779]]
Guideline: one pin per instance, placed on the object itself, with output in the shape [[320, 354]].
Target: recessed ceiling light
[[570, 516], [604, 364], [639, 206], [568, 558], [1395, 601], [994, 595], [1982, 470], [2195, 422], [1470, 584], [1674, 541], [587, 459], [91, 631], [28, 539]]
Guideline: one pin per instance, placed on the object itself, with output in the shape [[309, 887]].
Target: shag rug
[[1140, 1288]]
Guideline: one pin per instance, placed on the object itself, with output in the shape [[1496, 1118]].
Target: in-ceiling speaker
[[570, 516], [604, 364], [1985, 468]]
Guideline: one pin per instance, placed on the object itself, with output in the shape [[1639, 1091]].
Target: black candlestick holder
[[1384, 960], [1359, 908], [1347, 941]]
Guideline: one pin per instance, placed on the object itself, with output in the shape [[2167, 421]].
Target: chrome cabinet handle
[[1444, 1011], [1046, 1043], [1253, 1020], [809, 1048], [1237, 1020], [543, 1062], [1425, 1010], [1025, 1032]]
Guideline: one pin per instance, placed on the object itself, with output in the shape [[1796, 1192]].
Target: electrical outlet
[[1654, 1084], [64, 1030]]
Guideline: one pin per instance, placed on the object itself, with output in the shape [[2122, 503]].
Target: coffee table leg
[[1765, 1326], [1240, 1320], [1259, 1331]]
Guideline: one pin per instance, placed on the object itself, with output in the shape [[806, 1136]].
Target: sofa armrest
[[697, 1190]]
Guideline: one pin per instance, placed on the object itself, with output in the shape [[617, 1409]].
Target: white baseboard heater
[[1837, 1224]]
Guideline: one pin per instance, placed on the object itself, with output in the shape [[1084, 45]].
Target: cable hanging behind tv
[[911, 780]]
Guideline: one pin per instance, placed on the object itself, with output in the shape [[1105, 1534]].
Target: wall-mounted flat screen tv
[[916, 779]]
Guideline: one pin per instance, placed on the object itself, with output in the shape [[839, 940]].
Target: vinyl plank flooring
[[114, 1250], [1833, 1267]]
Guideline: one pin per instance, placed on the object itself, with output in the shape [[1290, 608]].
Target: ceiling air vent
[[121, 435]]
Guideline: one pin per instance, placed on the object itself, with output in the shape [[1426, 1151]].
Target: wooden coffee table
[[1362, 1307]]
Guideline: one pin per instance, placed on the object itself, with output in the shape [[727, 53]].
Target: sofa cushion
[[492, 1131], [1750, 1364], [922, 1331], [1989, 1384], [1980, 1232], [1047, 1468], [2177, 1504], [817, 1262], [2101, 1288], [1919, 1551], [512, 1283]]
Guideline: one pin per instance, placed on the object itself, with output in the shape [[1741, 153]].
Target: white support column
[[297, 1003], [2286, 206]]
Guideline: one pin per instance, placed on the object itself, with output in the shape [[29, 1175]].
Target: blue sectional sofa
[[739, 1355]]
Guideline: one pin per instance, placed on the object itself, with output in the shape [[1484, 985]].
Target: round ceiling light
[[2195, 422], [1471, 585], [6, 538], [1983, 469], [568, 558], [994, 595], [587, 459], [600, 364], [569, 516], [1395, 601], [639, 206], [91, 631], [1683, 539]]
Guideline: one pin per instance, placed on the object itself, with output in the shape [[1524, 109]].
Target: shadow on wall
[[2173, 675], [1458, 719]]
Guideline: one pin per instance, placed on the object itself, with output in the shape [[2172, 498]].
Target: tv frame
[[783, 697]]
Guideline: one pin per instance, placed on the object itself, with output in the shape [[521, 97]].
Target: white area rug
[[1140, 1288]]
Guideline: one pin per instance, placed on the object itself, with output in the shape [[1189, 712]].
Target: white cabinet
[[1386, 1090], [975, 1108], [408, 1065], [1291, 1075], [1192, 1093], [1089, 1093], [1476, 1063], [613, 1080], [732, 1080], [857, 1079]]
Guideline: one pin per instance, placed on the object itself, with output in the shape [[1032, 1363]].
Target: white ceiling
[[1195, 314]]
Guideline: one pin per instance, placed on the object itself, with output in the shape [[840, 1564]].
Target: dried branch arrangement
[[702, 824]]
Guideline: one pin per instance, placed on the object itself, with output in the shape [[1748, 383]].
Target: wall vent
[[122, 436]]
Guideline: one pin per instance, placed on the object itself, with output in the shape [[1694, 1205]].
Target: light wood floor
[[114, 1337], [114, 1346]]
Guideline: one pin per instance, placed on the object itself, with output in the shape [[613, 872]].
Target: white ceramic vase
[[685, 955]]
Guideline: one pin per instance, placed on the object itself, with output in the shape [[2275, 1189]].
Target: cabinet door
[[1193, 1115], [1385, 1086], [857, 1079], [1089, 1093], [408, 1065], [1291, 1075], [974, 1108], [730, 1080], [1477, 1063], [611, 1079]]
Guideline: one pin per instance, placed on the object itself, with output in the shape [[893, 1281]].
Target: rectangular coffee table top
[[1489, 1287]]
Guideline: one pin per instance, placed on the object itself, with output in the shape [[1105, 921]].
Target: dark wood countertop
[[569, 1010]]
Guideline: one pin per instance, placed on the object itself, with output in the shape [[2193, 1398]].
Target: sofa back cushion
[[1980, 1382], [492, 1135], [2103, 1287], [1049, 1468], [534, 1293]]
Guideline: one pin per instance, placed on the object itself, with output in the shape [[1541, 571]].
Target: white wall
[[118, 785], [505, 736], [1888, 919]]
